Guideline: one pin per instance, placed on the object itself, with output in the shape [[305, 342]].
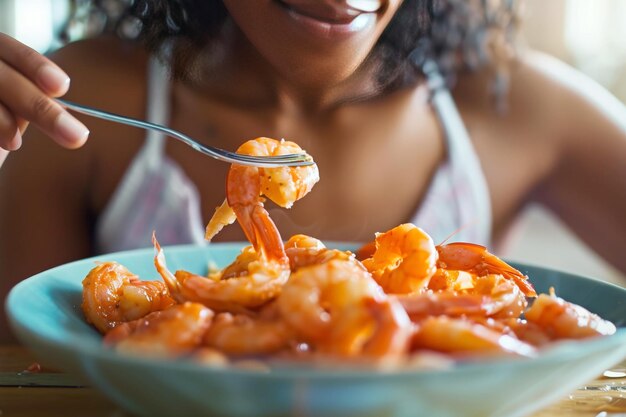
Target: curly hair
[[459, 35]]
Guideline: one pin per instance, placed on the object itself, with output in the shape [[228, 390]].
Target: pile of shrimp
[[396, 301]]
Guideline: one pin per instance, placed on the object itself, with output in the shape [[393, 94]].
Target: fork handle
[[217, 153], [122, 119]]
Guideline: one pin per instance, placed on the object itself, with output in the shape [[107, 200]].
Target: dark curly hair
[[458, 35]]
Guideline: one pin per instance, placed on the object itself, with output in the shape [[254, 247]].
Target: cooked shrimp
[[460, 336], [241, 334], [303, 250], [404, 260], [489, 296], [561, 319], [246, 185], [451, 280], [171, 332], [422, 305], [528, 332], [304, 242], [340, 309], [392, 329], [477, 260], [251, 283], [113, 295], [316, 294]]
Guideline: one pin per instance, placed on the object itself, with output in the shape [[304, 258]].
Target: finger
[[37, 68], [14, 143], [9, 139], [22, 124], [3, 155], [27, 101]]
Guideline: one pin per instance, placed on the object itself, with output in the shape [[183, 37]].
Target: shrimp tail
[[268, 237], [223, 216], [261, 232], [245, 219], [159, 262]]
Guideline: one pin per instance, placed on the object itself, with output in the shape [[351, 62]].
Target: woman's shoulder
[[530, 79], [106, 71], [542, 95]]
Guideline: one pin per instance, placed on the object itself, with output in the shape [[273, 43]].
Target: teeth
[[367, 6]]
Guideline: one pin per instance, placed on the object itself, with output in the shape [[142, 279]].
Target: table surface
[[28, 391]]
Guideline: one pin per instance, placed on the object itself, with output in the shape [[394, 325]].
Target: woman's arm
[[587, 186]]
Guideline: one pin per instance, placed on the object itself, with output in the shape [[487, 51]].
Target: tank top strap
[[463, 162], [157, 109]]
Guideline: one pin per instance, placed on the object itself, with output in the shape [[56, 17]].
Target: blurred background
[[591, 36], [588, 34]]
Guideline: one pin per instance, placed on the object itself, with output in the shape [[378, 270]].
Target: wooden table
[[50, 393]]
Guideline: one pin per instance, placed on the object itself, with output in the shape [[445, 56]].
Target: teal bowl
[[44, 312]]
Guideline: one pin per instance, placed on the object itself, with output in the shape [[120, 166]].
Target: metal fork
[[295, 159]]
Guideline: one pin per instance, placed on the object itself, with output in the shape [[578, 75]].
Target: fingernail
[[53, 79], [16, 142], [3, 155], [70, 129]]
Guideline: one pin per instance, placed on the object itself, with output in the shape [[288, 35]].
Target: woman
[[358, 84]]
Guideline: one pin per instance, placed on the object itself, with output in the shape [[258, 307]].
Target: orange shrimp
[[528, 332], [244, 335], [451, 280], [461, 337], [420, 306], [252, 282], [489, 296], [392, 329], [561, 319], [113, 295], [303, 250], [477, 260], [246, 185], [404, 260], [340, 309], [173, 332]]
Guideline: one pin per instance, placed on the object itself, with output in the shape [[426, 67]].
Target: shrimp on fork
[[246, 186]]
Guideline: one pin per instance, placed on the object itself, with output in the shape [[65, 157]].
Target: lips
[[340, 12]]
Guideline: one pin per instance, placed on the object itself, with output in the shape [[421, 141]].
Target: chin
[[311, 42]]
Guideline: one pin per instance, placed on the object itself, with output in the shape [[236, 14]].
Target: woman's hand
[[28, 82]]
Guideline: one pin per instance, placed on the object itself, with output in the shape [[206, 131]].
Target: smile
[[329, 23]]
